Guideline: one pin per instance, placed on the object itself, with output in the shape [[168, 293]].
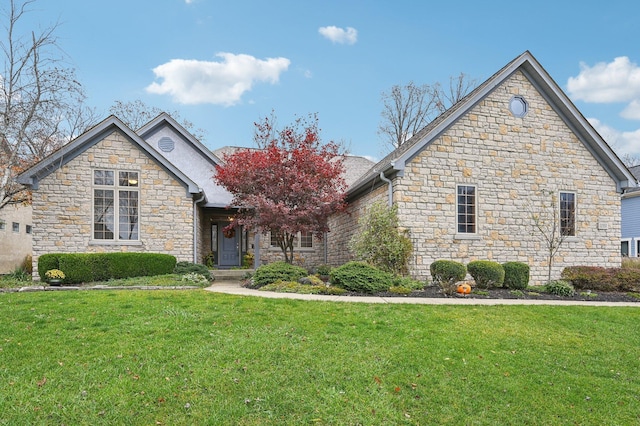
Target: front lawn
[[193, 357]]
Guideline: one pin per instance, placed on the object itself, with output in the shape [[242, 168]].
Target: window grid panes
[[568, 213], [306, 240], [466, 209], [105, 205]]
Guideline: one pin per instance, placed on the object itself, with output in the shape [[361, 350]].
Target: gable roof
[[68, 152], [395, 162]]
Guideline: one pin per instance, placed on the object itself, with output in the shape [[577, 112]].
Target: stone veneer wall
[[345, 225], [62, 205], [508, 159]]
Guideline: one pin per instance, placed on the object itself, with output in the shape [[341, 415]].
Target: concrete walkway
[[234, 287]]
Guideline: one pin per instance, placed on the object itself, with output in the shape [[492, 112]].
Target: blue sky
[[225, 64]]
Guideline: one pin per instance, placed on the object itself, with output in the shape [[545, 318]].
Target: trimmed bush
[[277, 271], [361, 277], [448, 271], [90, 267], [559, 288], [516, 275], [486, 273]]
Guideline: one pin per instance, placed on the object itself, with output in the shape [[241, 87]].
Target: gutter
[[390, 188]]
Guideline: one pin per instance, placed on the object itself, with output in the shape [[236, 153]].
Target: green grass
[[193, 357], [168, 280]]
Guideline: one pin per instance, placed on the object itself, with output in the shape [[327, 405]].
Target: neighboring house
[[15, 236], [630, 243], [464, 185], [113, 189]]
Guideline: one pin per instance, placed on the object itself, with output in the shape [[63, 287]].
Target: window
[[111, 195], [568, 214], [518, 106], [624, 248], [466, 206], [302, 240], [28, 229], [15, 226], [637, 248], [3, 225]]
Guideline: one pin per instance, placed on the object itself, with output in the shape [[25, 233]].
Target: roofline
[[548, 88], [71, 150]]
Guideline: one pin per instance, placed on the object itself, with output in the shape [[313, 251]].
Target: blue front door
[[229, 247]]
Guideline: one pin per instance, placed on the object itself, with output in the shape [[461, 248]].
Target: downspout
[[390, 190], [195, 227]]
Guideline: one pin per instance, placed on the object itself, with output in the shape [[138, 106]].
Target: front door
[[229, 246]]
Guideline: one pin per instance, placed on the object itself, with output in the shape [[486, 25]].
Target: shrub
[[408, 283], [559, 288], [277, 271], [361, 277], [89, 267], [486, 273], [311, 280], [446, 273], [189, 267], [323, 270], [516, 275], [602, 279], [379, 240], [195, 278]]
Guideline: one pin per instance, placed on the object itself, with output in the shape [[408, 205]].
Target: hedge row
[[486, 273], [90, 267], [602, 279]]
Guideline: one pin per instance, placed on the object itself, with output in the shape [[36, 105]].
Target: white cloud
[[223, 83], [617, 81], [623, 143], [339, 35], [632, 111]]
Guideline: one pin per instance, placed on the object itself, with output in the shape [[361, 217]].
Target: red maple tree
[[291, 185]]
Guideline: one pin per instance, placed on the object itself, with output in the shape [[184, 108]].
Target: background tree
[[407, 109], [292, 185], [136, 114], [41, 102], [380, 241]]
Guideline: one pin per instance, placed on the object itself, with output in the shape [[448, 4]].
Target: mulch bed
[[503, 293]]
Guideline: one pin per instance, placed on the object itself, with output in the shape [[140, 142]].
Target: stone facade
[[510, 161], [63, 203]]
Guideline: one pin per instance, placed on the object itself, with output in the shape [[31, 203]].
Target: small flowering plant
[[54, 274]]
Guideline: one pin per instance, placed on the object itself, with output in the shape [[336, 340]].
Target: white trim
[[116, 188], [629, 247], [575, 211]]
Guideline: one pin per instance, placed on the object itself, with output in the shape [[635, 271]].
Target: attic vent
[[518, 106], [166, 144]]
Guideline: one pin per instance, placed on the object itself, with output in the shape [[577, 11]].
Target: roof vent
[[166, 144]]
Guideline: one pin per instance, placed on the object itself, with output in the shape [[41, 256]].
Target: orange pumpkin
[[464, 288]]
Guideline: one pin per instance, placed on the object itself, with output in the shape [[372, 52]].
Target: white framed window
[[15, 226], [302, 240], [116, 202], [3, 225], [466, 209], [28, 229], [567, 207], [625, 247]]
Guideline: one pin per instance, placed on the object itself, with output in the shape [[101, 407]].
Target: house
[[630, 243], [468, 184], [466, 187], [114, 189], [15, 236]]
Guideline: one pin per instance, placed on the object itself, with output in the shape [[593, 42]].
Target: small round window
[[518, 106]]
